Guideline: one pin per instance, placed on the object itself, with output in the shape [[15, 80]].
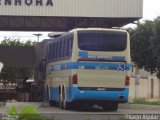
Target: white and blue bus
[[88, 66]]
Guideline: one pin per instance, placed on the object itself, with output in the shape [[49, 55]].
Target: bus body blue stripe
[[99, 95], [78, 94], [54, 93], [84, 54], [91, 65]]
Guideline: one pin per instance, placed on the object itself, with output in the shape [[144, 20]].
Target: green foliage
[[15, 42], [28, 112], [145, 45], [156, 44], [12, 111], [13, 74], [144, 101], [139, 101]]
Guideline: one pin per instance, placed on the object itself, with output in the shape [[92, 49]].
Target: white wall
[[1, 66], [144, 88]]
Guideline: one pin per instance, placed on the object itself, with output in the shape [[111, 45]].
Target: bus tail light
[[74, 79], [87, 59], [127, 81]]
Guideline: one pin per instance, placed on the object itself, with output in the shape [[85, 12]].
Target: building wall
[[17, 56], [148, 85], [76, 8], [145, 89]]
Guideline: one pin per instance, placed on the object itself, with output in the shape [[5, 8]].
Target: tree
[[145, 45], [156, 44], [13, 74], [15, 42]]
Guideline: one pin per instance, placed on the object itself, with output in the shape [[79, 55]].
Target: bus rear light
[[87, 59], [127, 81], [74, 79]]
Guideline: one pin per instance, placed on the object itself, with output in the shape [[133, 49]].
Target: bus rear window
[[102, 40]]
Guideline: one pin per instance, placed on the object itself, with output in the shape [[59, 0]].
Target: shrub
[[28, 112], [144, 101]]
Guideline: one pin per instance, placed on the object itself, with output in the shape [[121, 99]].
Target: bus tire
[[52, 103], [61, 98], [64, 104], [110, 107], [67, 106], [61, 105]]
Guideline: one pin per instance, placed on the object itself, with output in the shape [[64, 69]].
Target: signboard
[[26, 2], [72, 8]]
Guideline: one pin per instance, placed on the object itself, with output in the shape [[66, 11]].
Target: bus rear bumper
[[100, 95]]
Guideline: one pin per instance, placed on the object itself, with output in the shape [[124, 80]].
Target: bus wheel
[[52, 103], [110, 106], [61, 99], [64, 105], [67, 106], [61, 104]]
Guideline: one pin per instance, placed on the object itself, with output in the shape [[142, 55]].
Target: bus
[[88, 66]]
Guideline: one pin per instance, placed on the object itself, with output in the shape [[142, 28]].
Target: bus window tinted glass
[[102, 40]]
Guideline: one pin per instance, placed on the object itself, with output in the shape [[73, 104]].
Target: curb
[[2, 103], [121, 106], [139, 106], [22, 104]]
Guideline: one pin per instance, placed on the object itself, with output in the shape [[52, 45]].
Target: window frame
[[109, 33], [60, 47]]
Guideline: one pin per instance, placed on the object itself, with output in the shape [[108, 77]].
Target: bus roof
[[113, 29]]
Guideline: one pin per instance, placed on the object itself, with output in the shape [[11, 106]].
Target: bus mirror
[[41, 67]]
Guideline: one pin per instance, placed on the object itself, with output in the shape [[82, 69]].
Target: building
[[59, 15], [64, 15]]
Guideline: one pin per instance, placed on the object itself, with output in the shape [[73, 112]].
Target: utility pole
[[137, 80], [38, 35]]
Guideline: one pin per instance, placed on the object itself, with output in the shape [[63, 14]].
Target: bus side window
[[47, 53], [70, 46], [52, 50], [62, 49], [55, 52], [58, 50], [67, 52], [65, 48]]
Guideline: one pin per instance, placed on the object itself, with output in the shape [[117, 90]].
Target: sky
[[151, 10]]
